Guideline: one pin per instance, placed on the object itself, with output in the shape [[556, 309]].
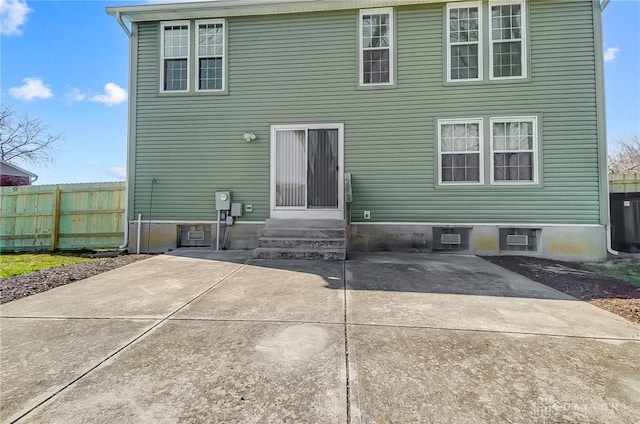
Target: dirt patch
[[609, 293], [13, 288]]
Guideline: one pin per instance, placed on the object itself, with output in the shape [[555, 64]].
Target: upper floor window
[[210, 53], [464, 41], [506, 39], [507, 59], [514, 150], [376, 47], [174, 68]]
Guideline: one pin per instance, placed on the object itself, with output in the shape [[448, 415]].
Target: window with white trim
[[464, 41], [210, 55], [460, 151], [507, 39], [376, 47], [514, 144], [174, 68]]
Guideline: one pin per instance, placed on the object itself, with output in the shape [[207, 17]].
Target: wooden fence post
[[55, 217]]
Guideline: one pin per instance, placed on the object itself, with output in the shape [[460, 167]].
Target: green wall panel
[[302, 68]]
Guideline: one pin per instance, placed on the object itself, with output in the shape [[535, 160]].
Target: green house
[[473, 126]]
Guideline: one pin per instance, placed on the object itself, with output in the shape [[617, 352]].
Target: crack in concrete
[[473, 330], [346, 341]]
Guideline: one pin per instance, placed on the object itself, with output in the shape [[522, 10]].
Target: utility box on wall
[[223, 200]]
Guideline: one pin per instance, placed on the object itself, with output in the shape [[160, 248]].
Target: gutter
[[604, 4]]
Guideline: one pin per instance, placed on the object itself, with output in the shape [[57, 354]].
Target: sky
[[66, 64]]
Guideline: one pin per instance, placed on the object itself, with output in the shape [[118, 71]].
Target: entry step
[[288, 253]]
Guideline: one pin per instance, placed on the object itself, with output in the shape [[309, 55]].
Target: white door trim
[[298, 213]]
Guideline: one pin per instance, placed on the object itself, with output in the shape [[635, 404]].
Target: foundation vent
[[195, 236], [519, 239], [450, 239]]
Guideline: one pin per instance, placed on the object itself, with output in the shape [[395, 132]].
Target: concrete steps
[[302, 239]]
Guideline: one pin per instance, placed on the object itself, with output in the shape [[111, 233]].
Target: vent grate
[[451, 239], [195, 235], [519, 239]]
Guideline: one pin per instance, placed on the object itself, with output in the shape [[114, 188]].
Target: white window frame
[[361, 48], [523, 39], [162, 56], [480, 42], [536, 148], [198, 57], [480, 151]]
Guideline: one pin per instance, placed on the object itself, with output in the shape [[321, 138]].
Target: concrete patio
[[197, 336]]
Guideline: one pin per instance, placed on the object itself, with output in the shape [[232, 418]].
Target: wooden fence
[[65, 217], [624, 183]]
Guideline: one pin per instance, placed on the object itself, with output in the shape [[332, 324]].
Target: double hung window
[[376, 47], [176, 49], [464, 40], [506, 37], [460, 147], [211, 51], [175, 56], [514, 150], [507, 58]]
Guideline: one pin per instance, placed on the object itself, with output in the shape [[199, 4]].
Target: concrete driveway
[[200, 337]]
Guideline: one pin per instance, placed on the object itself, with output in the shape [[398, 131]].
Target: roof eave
[[228, 8], [17, 168]]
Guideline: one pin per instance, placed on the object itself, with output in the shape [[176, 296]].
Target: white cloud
[[13, 15], [113, 95], [76, 95], [92, 162], [33, 88], [610, 54], [118, 172]]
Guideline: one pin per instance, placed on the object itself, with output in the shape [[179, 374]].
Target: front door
[[306, 171]]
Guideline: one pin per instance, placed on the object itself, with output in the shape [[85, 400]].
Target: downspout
[[602, 121], [124, 27], [125, 242]]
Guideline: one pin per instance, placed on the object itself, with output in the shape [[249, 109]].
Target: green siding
[[302, 68]]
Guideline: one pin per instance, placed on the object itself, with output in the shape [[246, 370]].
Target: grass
[[628, 271], [12, 264]]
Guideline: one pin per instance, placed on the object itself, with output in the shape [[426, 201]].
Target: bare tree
[[626, 156], [25, 139]]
